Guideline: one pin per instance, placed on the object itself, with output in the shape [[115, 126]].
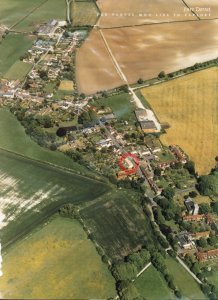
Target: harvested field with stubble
[[146, 50], [189, 105], [143, 52], [128, 13], [94, 67]]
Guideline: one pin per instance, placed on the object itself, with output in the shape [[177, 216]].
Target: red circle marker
[[133, 169]]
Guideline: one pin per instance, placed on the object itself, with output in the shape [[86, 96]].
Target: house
[[204, 256], [185, 240], [178, 153], [192, 208], [104, 143], [198, 235], [191, 218]]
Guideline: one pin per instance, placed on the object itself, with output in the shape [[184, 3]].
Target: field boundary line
[[184, 2], [28, 14], [119, 71], [173, 78], [54, 166], [152, 24]]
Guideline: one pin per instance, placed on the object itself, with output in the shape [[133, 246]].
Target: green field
[[14, 138], [31, 191], [11, 49], [14, 10], [212, 276], [51, 9], [183, 280], [56, 261], [84, 13], [120, 105], [152, 285], [18, 71], [118, 223]]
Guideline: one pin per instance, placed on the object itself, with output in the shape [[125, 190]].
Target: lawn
[[56, 261], [212, 276], [66, 85], [31, 191], [84, 13], [151, 285], [51, 9], [189, 105], [11, 49], [120, 105], [14, 10], [183, 280], [118, 223], [18, 71]]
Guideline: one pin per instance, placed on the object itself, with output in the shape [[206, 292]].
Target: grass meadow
[[189, 105], [117, 222], [51, 9], [151, 285], [11, 49], [14, 10], [56, 261], [120, 105], [183, 280], [18, 71]]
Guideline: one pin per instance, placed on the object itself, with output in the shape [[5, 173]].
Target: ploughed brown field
[[144, 51], [205, 9], [128, 12], [94, 67]]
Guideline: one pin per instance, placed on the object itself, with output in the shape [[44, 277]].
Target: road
[[119, 70], [68, 2], [138, 103], [188, 270]]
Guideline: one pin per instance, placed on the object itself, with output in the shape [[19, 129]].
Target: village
[[95, 136]]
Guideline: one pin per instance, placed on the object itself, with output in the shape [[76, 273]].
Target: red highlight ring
[[132, 170]]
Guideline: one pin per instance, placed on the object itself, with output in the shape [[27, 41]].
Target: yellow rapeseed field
[[190, 105]]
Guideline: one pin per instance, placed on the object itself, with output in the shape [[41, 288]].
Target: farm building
[[48, 29], [147, 126]]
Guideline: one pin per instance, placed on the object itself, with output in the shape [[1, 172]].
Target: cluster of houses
[[8, 88], [187, 240]]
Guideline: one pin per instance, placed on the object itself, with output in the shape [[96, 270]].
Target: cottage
[[198, 235], [204, 256], [192, 218]]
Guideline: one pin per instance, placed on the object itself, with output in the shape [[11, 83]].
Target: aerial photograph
[[109, 149]]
